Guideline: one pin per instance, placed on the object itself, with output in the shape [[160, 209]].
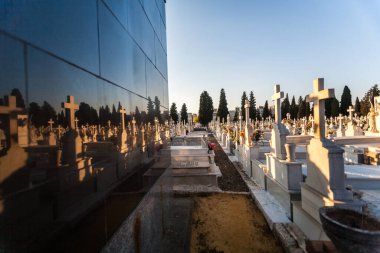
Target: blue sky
[[244, 45]]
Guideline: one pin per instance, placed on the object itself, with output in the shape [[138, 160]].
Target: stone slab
[[288, 174], [309, 226], [282, 195]]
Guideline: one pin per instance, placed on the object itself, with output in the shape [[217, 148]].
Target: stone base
[[353, 155], [309, 226], [259, 171], [189, 177], [282, 195], [313, 200], [372, 134], [288, 174]]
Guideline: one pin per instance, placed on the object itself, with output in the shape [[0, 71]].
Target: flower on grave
[[256, 135], [242, 134], [211, 146], [330, 131]]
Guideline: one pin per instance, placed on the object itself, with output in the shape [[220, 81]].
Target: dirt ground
[[231, 179], [226, 223]]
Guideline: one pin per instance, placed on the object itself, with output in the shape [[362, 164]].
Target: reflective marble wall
[[107, 54], [101, 52]]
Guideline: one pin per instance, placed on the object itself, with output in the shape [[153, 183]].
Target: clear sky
[[244, 45]]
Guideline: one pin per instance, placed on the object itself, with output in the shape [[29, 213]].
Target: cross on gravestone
[[350, 110], [340, 118], [51, 122], [76, 123], [109, 124], [122, 111], [11, 109], [318, 98], [276, 97], [246, 106], [134, 130], [70, 108]]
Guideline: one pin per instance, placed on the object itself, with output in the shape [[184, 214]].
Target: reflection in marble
[[71, 72]]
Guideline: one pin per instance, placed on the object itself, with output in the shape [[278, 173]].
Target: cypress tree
[[345, 100], [184, 116], [258, 115], [174, 113], [235, 119], [357, 106], [242, 109], [150, 111], [285, 106], [366, 101], [301, 108], [206, 108], [252, 106], [335, 107], [19, 98], [328, 104], [307, 108], [266, 111], [293, 109], [222, 108]]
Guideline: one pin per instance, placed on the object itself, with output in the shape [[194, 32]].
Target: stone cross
[[12, 110], [134, 130], [70, 108], [340, 118], [122, 111], [276, 97], [76, 122], [350, 110], [51, 122], [318, 98], [246, 106]]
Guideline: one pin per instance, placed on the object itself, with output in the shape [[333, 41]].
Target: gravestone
[[284, 173], [325, 182], [16, 157]]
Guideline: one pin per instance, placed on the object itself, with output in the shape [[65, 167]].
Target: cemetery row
[[51, 175], [312, 162]]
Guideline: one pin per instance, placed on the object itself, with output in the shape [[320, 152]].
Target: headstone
[[325, 182], [279, 131], [71, 141]]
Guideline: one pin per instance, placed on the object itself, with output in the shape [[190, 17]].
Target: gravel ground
[[231, 179]]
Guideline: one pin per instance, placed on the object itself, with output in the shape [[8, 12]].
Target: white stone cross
[[122, 111], [12, 110], [318, 98], [51, 122], [246, 106], [350, 110], [134, 126], [340, 118], [70, 108], [76, 122], [276, 97]]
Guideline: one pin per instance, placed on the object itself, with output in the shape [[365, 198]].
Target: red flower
[[211, 145]]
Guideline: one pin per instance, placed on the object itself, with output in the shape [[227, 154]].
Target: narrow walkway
[[231, 179]]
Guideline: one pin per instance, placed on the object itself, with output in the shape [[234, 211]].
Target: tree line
[[39, 115], [295, 109]]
